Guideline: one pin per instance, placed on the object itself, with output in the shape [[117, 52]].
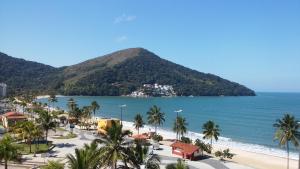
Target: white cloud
[[121, 39], [124, 18]]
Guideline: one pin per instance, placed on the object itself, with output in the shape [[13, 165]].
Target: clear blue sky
[[253, 42]]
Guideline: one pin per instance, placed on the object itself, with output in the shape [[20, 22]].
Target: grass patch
[[40, 148], [68, 136]]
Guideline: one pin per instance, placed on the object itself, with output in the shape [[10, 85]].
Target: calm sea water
[[242, 119]]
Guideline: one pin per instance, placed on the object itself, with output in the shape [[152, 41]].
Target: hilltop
[[118, 73]]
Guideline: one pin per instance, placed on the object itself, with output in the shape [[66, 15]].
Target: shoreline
[[222, 142], [257, 160]]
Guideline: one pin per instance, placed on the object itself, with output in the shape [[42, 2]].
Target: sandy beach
[[251, 159]]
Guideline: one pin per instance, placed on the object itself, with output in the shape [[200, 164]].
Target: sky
[[252, 42]]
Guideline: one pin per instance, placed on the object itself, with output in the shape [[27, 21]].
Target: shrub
[[224, 154], [205, 147], [186, 140], [157, 137]]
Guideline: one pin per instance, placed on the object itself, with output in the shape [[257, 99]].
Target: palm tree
[[37, 133], [155, 117], [287, 131], [86, 158], [46, 120], [52, 99], [95, 106], [8, 150], [25, 129], [116, 148], [210, 131], [180, 126], [142, 155], [86, 114], [179, 165], [54, 165], [138, 122]]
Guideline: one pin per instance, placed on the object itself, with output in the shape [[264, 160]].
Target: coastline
[[258, 160]]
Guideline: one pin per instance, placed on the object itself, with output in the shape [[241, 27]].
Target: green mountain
[[118, 73]]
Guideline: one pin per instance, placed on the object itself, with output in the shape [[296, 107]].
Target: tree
[[180, 126], [224, 154], [155, 117], [179, 165], [25, 131], [203, 146], [86, 158], [95, 106], [37, 133], [53, 165], [152, 162], [138, 122], [116, 148], [46, 120], [8, 150], [52, 99], [86, 114], [287, 131], [211, 131]]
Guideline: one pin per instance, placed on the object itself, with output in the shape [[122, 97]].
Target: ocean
[[246, 122]]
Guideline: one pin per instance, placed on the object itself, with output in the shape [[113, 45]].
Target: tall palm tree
[[155, 117], [211, 131], [95, 106], [179, 165], [25, 129], [86, 158], [138, 122], [37, 133], [116, 148], [8, 150], [46, 121], [287, 131], [180, 126], [52, 99]]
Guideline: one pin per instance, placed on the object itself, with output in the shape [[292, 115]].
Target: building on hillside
[[187, 151], [10, 118], [106, 123], [3, 88]]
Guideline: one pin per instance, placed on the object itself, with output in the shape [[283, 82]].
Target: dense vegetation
[[115, 74]]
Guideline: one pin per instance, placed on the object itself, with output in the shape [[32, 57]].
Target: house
[[11, 118], [106, 123], [187, 151]]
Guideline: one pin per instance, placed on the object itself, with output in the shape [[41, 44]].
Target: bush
[[205, 147], [157, 137], [186, 140], [224, 154]]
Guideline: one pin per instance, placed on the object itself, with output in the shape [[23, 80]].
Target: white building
[[3, 87]]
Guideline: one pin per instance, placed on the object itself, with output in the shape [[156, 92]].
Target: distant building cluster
[[3, 88], [155, 90]]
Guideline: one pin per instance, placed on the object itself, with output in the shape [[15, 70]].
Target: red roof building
[[187, 151], [11, 118]]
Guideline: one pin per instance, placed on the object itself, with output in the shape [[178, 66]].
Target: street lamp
[[177, 112], [121, 107]]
